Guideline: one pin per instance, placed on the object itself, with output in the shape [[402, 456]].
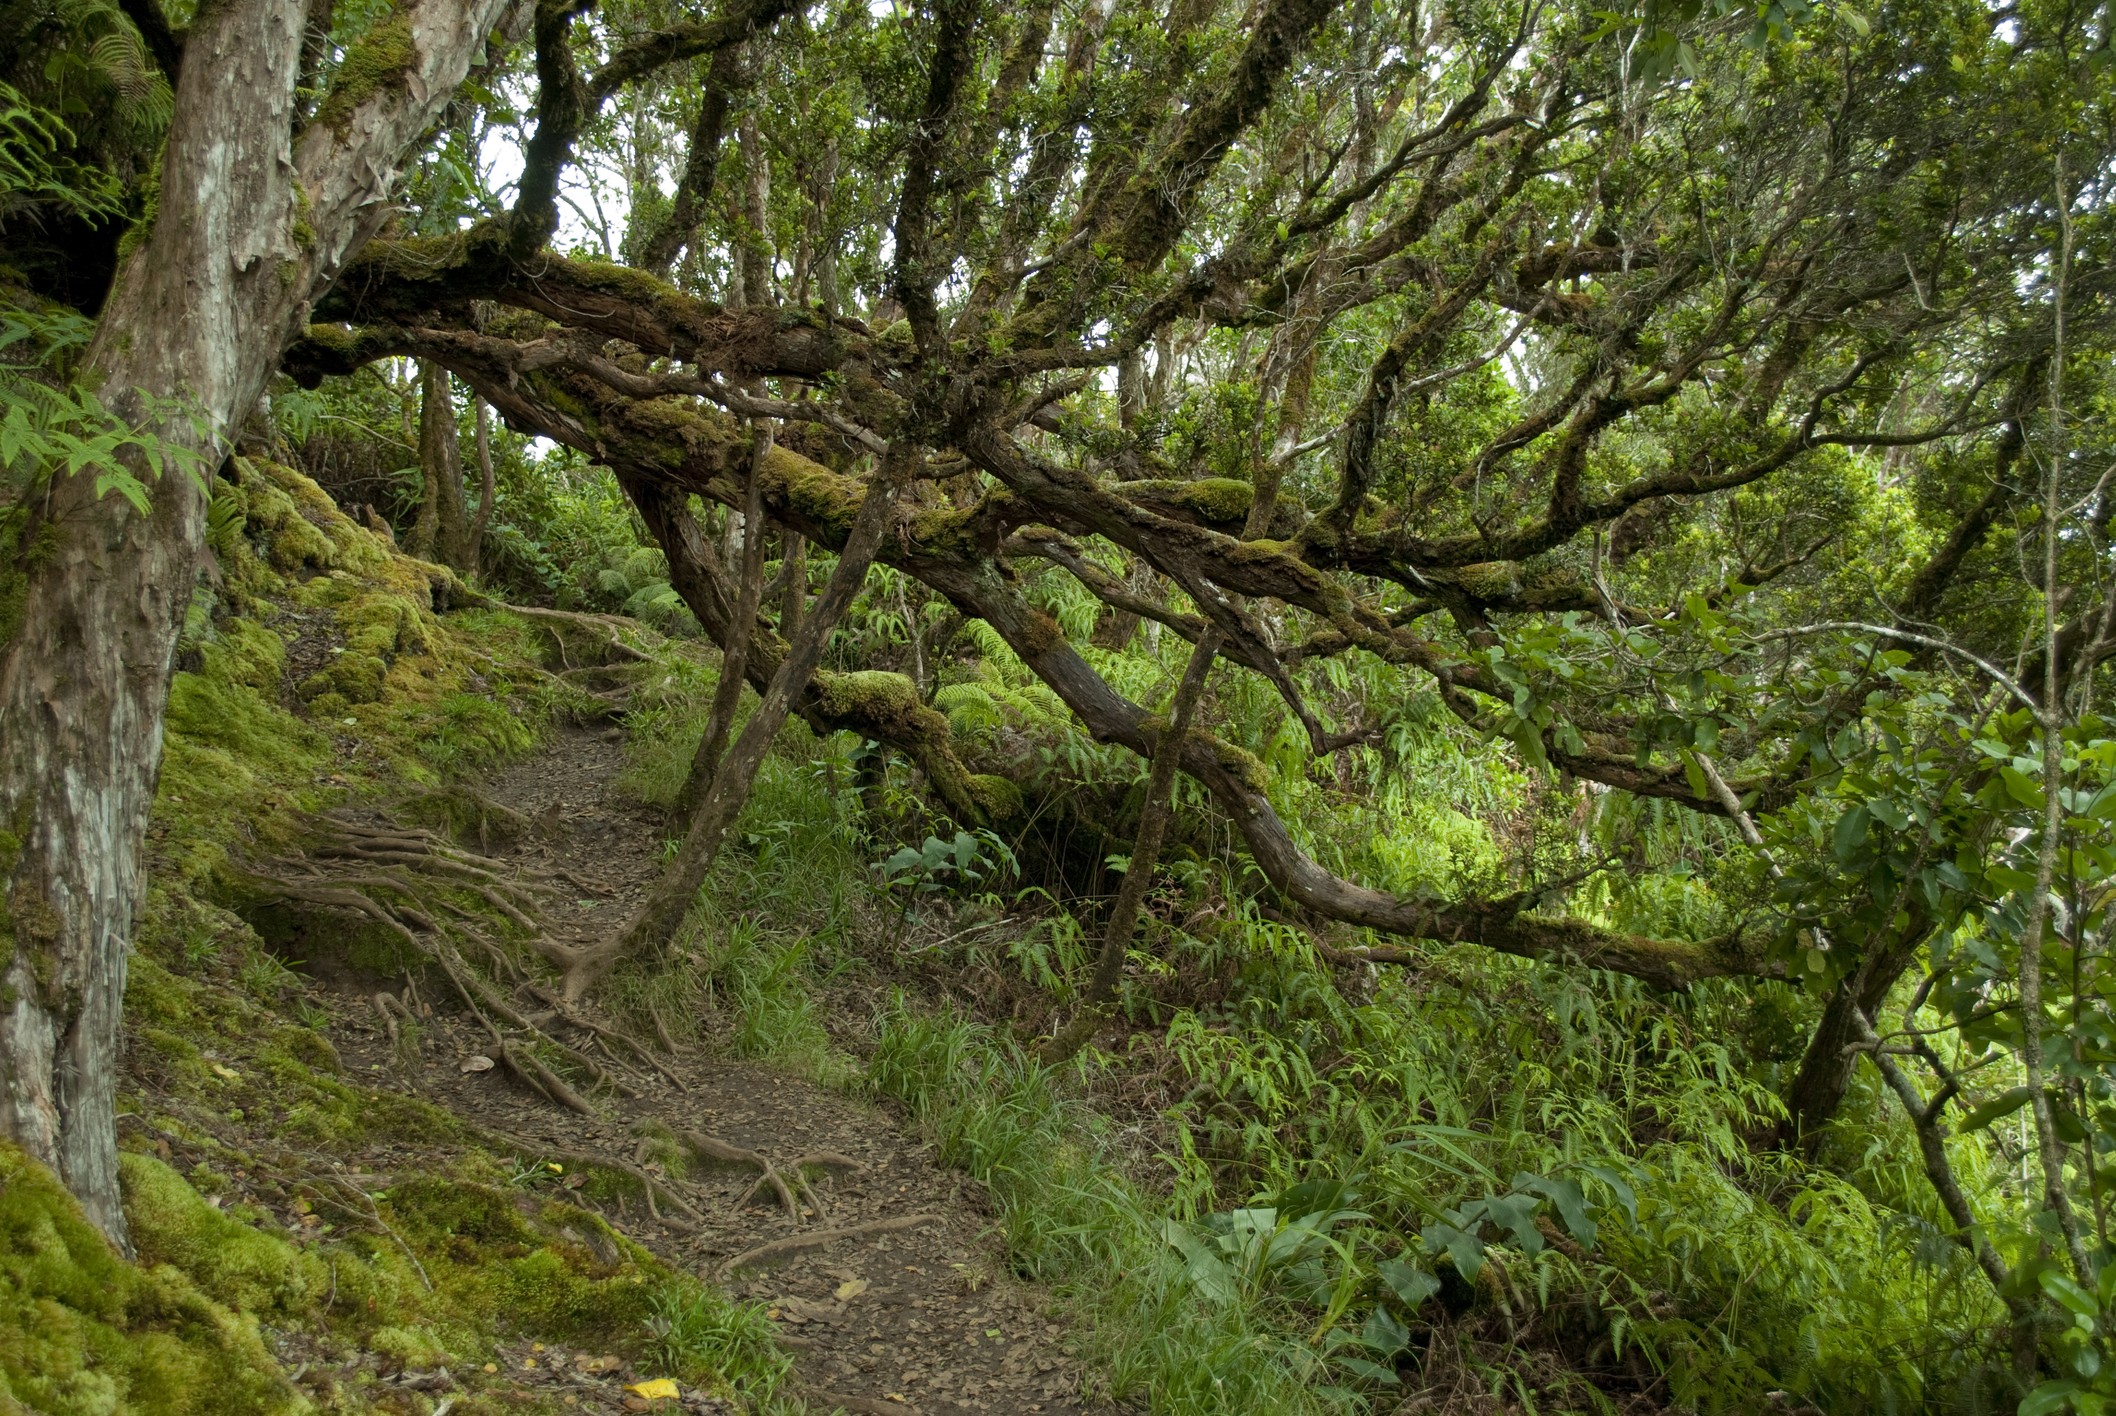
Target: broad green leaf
[[1467, 1250], [1850, 834], [1413, 1285], [1996, 1109]]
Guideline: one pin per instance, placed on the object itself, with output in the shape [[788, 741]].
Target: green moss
[[1244, 765], [887, 704], [945, 529], [241, 774], [377, 58], [1216, 498], [302, 230], [1044, 634], [1000, 798], [229, 749], [233, 1264], [82, 1331], [408, 1347], [813, 491], [1490, 580], [624, 283]]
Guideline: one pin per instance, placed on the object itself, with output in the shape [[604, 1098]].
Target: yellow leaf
[[655, 1390], [853, 1289]]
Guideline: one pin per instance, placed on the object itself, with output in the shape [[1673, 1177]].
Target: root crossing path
[[877, 1265]]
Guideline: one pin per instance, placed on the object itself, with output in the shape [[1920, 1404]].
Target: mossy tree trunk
[[442, 531], [258, 215], [483, 518]]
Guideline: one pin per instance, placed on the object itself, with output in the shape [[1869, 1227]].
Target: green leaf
[[1568, 1200], [2050, 1396], [1517, 1215], [1467, 1250], [1207, 1272], [1372, 1371], [1888, 813], [1699, 788], [2068, 1294], [2021, 788], [1384, 1334], [1413, 1285], [1619, 1185], [1998, 1108], [1851, 833]]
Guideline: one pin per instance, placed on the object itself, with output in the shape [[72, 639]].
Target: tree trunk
[[1826, 1068], [484, 516], [670, 899], [1145, 858], [252, 225], [794, 594], [734, 660], [442, 531]]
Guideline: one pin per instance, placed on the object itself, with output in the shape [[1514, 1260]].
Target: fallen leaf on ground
[[654, 1390], [851, 1289]]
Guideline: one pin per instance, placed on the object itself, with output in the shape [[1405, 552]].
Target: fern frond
[[969, 708]]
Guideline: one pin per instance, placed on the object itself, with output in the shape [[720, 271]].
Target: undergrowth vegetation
[[1535, 1188], [1292, 1184], [1424, 683]]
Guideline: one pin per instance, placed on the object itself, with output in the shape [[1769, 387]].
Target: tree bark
[[484, 516], [253, 224], [442, 531], [1826, 1068], [670, 899], [734, 660], [1145, 858]]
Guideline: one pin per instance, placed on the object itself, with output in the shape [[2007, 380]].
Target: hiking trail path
[[912, 1314]]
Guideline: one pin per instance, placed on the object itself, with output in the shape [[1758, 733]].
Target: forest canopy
[[1612, 505]]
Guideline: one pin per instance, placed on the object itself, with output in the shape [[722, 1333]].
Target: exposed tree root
[[661, 1030], [575, 1019], [822, 1238], [465, 811], [773, 1174], [713, 1148], [528, 1149], [370, 1213], [410, 895], [388, 1005], [604, 629]]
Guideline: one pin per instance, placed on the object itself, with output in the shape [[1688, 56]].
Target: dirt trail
[[915, 1317]]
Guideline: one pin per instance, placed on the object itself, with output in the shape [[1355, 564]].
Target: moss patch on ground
[[329, 667], [83, 1331]]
